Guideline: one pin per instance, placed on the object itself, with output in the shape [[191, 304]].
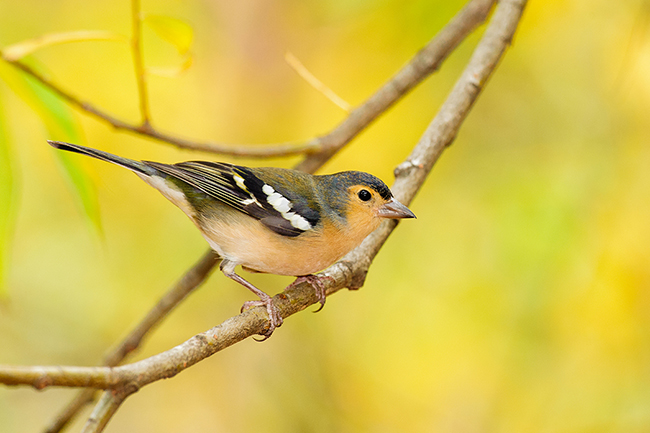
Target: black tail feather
[[131, 164]]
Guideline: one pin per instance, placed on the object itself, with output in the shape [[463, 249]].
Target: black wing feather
[[217, 180]]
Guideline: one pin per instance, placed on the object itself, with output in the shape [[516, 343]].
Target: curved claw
[[275, 319], [318, 285]]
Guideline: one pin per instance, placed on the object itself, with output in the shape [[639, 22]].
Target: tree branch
[[103, 412], [186, 285], [82, 398], [192, 279], [349, 272], [271, 150], [425, 62], [319, 149]]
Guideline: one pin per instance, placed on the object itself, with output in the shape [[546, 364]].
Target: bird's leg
[[275, 319], [318, 285]]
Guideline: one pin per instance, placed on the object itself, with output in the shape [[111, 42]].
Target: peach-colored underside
[[247, 242]]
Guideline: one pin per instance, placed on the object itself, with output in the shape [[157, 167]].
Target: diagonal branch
[[192, 279], [319, 149], [425, 62], [108, 404], [349, 272]]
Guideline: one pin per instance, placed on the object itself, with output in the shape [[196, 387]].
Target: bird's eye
[[364, 195]]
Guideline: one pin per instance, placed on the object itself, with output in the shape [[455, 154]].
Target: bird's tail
[[136, 166]]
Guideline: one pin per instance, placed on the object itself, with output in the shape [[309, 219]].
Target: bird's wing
[[241, 189]]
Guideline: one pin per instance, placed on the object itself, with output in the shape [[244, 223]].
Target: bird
[[269, 219]]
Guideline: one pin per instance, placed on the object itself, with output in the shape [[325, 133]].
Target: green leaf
[[21, 49], [61, 125], [176, 32], [8, 201]]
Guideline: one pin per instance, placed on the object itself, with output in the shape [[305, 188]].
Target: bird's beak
[[394, 209]]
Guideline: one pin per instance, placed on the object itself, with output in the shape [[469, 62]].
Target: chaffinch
[[269, 220]]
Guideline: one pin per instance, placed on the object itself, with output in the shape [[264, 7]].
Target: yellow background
[[518, 301]]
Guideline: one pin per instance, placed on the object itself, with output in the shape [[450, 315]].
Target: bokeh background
[[519, 300]]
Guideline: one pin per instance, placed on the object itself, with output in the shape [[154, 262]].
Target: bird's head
[[363, 200]]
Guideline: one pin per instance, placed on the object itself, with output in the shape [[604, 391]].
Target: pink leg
[[275, 319]]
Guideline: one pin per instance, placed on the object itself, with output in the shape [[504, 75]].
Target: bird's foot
[[275, 319], [318, 285]]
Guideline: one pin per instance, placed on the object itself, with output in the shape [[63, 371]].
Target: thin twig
[[70, 411], [192, 279], [138, 61], [271, 150], [425, 62], [472, 15], [349, 272], [318, 149], [317, 84], [188, 283]]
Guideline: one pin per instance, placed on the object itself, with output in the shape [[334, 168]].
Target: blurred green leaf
[[8, 200], [21, 49], [61, 125], [176, 32]]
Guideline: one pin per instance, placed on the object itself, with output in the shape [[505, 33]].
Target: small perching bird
[[269, 220]]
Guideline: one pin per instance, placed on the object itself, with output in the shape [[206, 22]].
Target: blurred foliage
[[519, 300], [7, 199], [59, 122]]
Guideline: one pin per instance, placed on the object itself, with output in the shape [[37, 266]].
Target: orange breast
[[247, 242]]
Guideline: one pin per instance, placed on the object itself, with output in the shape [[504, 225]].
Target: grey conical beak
[[394, 209]]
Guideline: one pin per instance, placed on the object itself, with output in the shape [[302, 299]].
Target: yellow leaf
[[176, 32]]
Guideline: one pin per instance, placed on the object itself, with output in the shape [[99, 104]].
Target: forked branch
[[425, 62], [319, 149], [349, 272]]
